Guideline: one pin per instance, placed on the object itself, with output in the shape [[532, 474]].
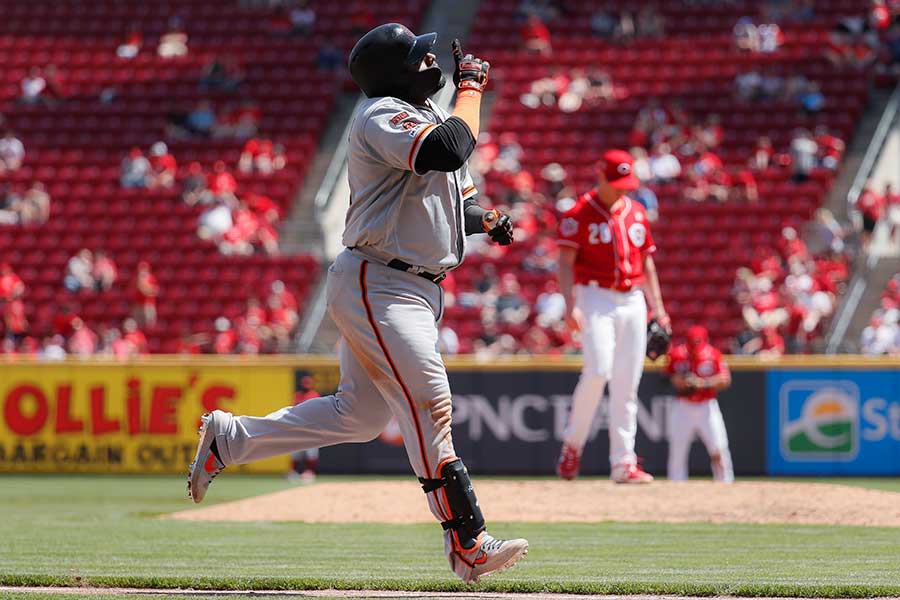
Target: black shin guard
[[466, 518]]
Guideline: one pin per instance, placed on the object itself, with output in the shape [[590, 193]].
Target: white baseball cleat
[[206, 463], [630, 473], [489, 555]]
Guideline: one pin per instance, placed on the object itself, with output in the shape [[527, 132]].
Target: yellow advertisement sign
[[121, 418]]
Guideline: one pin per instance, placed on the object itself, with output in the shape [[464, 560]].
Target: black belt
[[403, 266]]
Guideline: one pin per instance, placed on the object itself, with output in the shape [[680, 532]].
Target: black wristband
[[474, 215]]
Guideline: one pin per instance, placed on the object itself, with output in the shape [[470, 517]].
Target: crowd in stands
[[29, 205], [789, 292], [882, 335], [264, 327], [875, 207], [571, 91]]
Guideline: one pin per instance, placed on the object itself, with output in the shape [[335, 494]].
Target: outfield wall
[[796, 416]]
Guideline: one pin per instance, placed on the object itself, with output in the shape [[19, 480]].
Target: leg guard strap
[[467, 520]]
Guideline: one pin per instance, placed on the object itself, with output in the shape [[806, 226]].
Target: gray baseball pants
[[389, 366]]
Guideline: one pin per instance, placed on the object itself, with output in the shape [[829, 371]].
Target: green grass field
[[102, 531]]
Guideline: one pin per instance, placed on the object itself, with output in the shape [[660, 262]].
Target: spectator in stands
[[892, 206], [222, 183], [79, 272], [15, 319], [831, 148], [664, 165], [891, 45], [226, 338], [104, 271], [63, 319], [53, 348], [648, 199], [762, 154], [329, 58], [35, 205], [83, 341], [772, 343], [878, 337], [173, 43], [283, 322], [12, 152], [285, 297], [448, 340], [852, 43], [221, 75], [194, 187], [56, 89], [136, 169], [536, 36], [746, 35], [10, 205], [650, 23], [511, 306], [241, 122], [604, 24], [871, 206], [132, 44], [550, 305], [770, 37], [214, 222], [134, 340], [811, 99], [11, 285], [163, 166], [146, 292], [238, 239], [303, 18], [259, 155], [33, 87], [201, 120], [804, 150]]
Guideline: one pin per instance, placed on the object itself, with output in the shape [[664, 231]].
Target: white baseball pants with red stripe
[[390, 366], [613, 342]]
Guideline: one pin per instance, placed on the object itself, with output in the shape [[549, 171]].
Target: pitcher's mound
[[579, 501]]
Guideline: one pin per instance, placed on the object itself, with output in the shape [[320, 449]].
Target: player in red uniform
[[698, 372], [605, 272]]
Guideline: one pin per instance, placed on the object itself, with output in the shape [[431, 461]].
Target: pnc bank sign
[[534, 418]]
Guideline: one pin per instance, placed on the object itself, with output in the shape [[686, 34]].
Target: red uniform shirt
[[704, 361], [611, 244]]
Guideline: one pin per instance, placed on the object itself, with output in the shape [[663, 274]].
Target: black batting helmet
[[385, 62]]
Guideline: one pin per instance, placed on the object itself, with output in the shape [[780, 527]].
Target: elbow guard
[[446, 148]]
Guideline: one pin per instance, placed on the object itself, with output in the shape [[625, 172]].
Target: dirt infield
[[580, 501]]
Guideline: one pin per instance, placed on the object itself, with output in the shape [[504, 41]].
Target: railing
[[858, 283]]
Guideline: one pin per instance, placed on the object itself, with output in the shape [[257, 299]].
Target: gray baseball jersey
[[388, 319], [394, 211]]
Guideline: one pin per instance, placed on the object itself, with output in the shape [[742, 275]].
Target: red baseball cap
[[618, 166], [697, 332]]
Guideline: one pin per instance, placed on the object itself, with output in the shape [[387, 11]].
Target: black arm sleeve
[[474, 215], [446, 148]]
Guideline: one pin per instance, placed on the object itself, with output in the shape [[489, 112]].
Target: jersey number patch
[[599, 232]]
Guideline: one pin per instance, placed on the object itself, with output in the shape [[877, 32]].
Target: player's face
[[608, 193]]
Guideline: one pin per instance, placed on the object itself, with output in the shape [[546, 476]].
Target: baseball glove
[[658, 340]]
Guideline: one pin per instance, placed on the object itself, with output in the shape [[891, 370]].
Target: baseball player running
[[412, 205], [605, 272], [698, 371]]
